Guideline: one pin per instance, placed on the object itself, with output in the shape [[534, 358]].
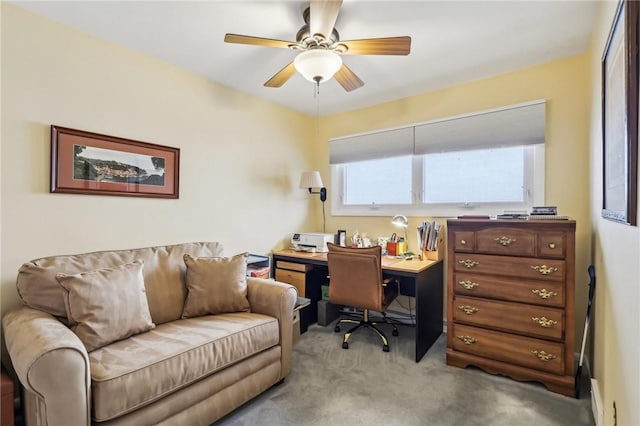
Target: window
[[478, 176], [478, 164], [378, 182]]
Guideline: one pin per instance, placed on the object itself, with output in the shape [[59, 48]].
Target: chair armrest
[[276, 299], [53, 366]]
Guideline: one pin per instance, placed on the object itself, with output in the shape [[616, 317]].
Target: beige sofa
[[189, 371]]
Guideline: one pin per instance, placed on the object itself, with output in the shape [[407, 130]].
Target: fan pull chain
[[316, 95]]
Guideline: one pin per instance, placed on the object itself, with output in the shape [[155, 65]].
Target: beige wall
[[617, 261], [241, 157], [565, 86]]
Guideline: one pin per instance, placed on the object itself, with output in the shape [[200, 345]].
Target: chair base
[[365, 322]]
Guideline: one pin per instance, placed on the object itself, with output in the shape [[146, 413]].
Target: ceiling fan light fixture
[[317, 65]]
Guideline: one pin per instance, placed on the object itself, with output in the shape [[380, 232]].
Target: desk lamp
[[401, 221], [310, 180]]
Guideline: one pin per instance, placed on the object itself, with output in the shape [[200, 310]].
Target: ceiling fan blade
[[379, 46], [347, 79], [323, 15], [282, 76], [257, 41]]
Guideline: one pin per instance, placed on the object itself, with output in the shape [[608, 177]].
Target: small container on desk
[[396, 248], [437, 254]]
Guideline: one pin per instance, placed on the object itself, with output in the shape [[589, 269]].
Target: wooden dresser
[[510, 299]]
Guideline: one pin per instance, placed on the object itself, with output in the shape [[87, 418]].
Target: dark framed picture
[[91, 163], [620, 116]]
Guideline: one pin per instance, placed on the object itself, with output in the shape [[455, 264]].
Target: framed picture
[[620, 116], [90, 163]]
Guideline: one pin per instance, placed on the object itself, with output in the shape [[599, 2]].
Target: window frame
[[534, 177]]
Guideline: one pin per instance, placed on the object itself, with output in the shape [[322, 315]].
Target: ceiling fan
[[321, 48]]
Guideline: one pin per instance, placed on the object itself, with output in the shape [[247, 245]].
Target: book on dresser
[[510, 299]]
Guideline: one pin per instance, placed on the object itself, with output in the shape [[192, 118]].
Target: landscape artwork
[[106, 165], [90, 163]]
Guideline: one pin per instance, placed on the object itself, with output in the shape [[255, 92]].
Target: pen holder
[[396, 249]]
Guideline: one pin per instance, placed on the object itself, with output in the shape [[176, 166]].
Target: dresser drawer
[[537, 321], [506, 241], [464, 241], [296, 279], [552, 244], [546, 293], [541, 269], [524, 351]]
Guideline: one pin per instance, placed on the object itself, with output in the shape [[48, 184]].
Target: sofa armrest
[[275, 299], [52, 365]]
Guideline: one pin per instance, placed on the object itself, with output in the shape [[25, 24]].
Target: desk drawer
[[518, 350], [537, 321], [293, 266], [296, 279]]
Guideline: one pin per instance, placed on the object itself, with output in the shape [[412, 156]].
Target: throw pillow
[[216, 285], [106, 305]]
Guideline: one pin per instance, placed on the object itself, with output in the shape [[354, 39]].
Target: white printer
[[312, 241]]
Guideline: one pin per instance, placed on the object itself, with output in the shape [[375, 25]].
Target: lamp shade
[[400, 220], [317, 65], [311, 179]]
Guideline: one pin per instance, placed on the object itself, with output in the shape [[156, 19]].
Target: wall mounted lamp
[[312, 179]]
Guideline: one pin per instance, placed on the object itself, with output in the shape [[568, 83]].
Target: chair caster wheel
[[385, 348], [345, 345], [337, 329], [395, 332]]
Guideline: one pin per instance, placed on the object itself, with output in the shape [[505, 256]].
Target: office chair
[[355, 279]]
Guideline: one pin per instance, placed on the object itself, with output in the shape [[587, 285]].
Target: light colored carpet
[[366, 386]]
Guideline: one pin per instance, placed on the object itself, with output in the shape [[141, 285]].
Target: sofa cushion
[[164, 271], [216, 285], [107, 304], [134, 372]]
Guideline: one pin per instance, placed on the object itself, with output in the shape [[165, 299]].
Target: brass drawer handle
[[469, 310], [544, 293], [544, 322], [543, 356], [469, 285], [468, 263], [544, 269], [552, 245], [468, 340], [505, 241], [463, 242]]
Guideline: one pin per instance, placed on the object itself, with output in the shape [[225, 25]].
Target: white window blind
[[479, 163], [513, 126], [372, 146]]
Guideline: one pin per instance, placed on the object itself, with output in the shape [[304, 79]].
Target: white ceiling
[[452, 41]]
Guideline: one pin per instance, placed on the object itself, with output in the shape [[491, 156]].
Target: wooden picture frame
[[90, 163], [620, 116]]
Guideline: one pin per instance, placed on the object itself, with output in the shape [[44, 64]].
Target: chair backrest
[[355, 276]]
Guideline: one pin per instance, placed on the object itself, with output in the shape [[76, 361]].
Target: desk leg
[[429, 302]]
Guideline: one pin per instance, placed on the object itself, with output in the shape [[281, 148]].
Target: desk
[[422, 279]]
